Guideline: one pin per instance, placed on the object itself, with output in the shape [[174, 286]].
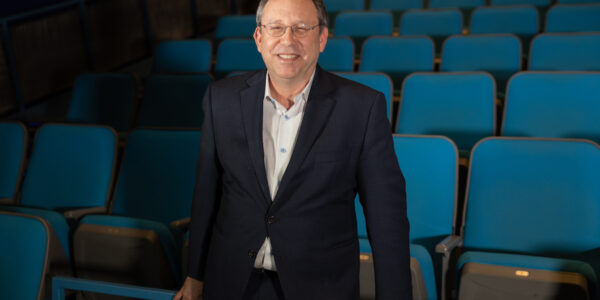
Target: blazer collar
[[318, 108]]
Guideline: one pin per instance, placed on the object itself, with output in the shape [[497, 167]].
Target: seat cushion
[[166, 237]]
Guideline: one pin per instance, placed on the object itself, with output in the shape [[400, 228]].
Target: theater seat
[[135, 244], [186, 56], [12, 159], [234, 55]]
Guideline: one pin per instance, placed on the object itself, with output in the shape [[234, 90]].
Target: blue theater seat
[[103, 99], [573, 18], [457, 105], [531, 220], [540, 3], [234, 55], [377, 81], [436, 23], [69, 174], [12, 159], [338, 55], [360, 25], [235, 27], [334, 7], [397, 56], [189, 56], [173, 101], [553, 104], [426, 161], [135, 244], [565, 52], [498, 54]]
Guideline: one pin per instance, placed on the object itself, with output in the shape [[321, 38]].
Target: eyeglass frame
[[310, 28]]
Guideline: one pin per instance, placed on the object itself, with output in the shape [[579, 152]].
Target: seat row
[[121, 223], [529, 223]]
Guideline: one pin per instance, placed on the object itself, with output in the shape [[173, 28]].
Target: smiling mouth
[[288, 57]]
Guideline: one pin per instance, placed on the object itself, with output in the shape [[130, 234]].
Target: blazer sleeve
[[206, 194], [382, 192]]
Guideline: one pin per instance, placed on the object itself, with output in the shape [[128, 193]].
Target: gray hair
[[321, 12]]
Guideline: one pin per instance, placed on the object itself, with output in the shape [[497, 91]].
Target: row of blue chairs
[[335, 6], [523, 20], [118, 223], [531, 211]]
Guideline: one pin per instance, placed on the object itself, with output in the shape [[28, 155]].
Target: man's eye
[[276, 28], [301, 29]]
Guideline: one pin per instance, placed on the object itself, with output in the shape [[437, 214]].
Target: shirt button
[[251, 253], [283, 150], [271, 219], [287, 117]]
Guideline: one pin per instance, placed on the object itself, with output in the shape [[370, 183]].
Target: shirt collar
[[298, 99]]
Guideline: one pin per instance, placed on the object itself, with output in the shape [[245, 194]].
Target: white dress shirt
[[280, 130]]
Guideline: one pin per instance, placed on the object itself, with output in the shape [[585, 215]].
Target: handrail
[[61, 284]]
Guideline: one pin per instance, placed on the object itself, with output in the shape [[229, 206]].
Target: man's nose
[[288, 35]]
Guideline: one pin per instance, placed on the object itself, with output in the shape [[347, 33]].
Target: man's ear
[[323, 38], [257, 38]]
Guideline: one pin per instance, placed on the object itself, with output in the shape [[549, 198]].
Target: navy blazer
[[344, 146]]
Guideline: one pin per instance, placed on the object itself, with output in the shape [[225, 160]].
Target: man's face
[[289, 57]]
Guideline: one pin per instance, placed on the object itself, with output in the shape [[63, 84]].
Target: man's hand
[[191, 290]]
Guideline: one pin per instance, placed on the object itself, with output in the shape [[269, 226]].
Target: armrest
[[181, 224], [78, 213], [448, 244]]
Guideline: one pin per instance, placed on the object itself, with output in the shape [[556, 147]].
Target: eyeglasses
[[298, 30]]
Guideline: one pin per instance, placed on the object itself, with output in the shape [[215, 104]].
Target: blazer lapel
[[251, 100], [316, 114]]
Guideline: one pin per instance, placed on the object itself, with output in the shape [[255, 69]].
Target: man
[[283, 153]]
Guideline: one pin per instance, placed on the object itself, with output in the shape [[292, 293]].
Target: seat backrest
[[432, 22], [573, 18], [396, 5], [499, 54], [237, 55], [189, 56], [430, 168], [12, 156], [338, 55], [455, 3], [363, 23], [71, 167], [536, 196], [335, 6], [397, 56], [576, 1], [23, 257], [377, 81], [104, 99], [173, 100], [553, 104], [519, 2], [157, 176], [235, 27], [522, 20], [565, 52], [457, 105]]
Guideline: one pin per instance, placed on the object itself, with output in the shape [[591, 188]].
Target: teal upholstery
[[359, 25], [430, 168], [12, 155], [396, 5], [23, 256], [576, 1], [519, 2], [455, 3], [565, 52], [335, 6], [432, 22], [338, 55], [377, 81], [104, 99], [235, 27], [498, 54], [573, 18], [553, 104], [522, 20], [536, 197], [397, 56], [71, 167], [173, 100], [237, 55], [457, 105], [155, 185], [186, 56]]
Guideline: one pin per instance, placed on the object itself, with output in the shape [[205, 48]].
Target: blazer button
[[271, 219], [251, 253]]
